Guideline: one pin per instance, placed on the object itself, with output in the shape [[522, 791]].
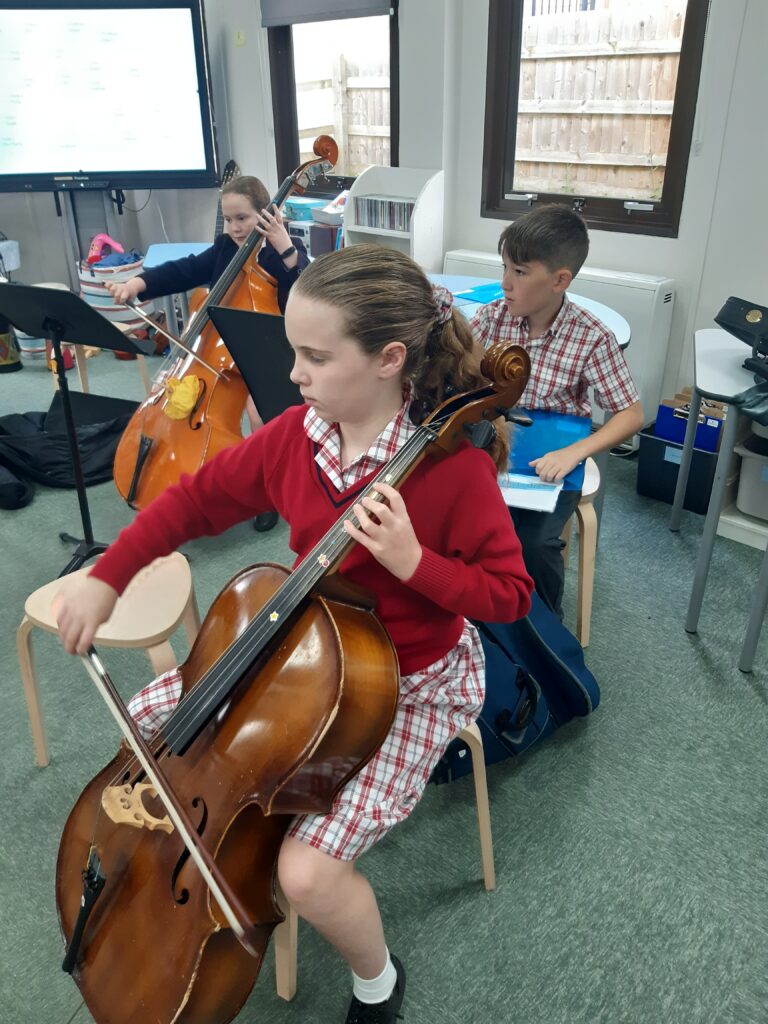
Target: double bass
[[166, 437], [165, 882]]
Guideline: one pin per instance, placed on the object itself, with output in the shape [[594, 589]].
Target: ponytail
[[452, 366]]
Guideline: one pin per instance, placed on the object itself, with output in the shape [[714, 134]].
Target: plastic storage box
[[300, 207], [658, 463], [752, 496]]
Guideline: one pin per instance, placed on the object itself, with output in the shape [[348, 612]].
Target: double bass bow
[[196, 412], [165, 881]]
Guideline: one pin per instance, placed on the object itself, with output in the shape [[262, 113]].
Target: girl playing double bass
[[375, 348], [244, 207]]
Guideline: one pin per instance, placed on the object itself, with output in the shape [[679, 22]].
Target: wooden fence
[[597, 85], [595, 99], [360, 103]]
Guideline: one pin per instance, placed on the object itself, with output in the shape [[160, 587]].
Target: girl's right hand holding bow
[[80, 609], [126, 291]]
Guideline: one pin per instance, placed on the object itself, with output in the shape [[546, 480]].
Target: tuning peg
[[482, 434], [522, 419]]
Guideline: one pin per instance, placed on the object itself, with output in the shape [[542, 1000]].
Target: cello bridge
[[125, 806]]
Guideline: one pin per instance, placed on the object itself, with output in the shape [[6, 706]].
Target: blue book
[[549, 431]]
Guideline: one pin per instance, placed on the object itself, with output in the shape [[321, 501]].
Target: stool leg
[[587, 548], [471, 736], [191, 619], [31, 691], [82, 367], [565, 536], [286, 940], [162, 657], [144, 373]]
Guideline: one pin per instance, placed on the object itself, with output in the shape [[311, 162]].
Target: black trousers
[[539, 534]]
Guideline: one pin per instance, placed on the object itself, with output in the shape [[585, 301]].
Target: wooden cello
[[167, 902], [167, 436]]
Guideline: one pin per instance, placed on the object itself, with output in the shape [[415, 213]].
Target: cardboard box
[[322, 239], [672, 421]]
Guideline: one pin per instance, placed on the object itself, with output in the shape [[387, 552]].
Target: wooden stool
[[286, 935], [156, 601], [587, 527], [127, 330], [79, 350]]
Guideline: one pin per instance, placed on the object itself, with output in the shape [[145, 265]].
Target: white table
[[613, 321], [718, 374], [162, 252]]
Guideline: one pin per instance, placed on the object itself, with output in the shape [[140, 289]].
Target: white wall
[[422, 83]]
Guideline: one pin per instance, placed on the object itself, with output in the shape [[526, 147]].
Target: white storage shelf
[[738, 526], [424, 188]]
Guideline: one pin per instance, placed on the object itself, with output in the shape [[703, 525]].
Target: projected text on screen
[[99, 91]]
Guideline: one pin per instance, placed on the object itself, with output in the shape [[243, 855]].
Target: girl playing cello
[[244, 207], [375, 347]]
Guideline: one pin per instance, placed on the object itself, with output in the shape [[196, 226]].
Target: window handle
[[522, 197]]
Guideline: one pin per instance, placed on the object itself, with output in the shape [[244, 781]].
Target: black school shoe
[[380, 1013], [265, 521]]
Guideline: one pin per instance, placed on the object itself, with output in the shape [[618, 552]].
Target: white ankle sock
[[376, 990]]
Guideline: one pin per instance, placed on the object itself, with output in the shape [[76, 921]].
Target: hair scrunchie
[[444, 303]]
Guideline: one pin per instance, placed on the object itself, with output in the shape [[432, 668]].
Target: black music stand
[[62, 316], [260, 349]]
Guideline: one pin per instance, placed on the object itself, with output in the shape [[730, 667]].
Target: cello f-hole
[[183, 896], [203, 389]]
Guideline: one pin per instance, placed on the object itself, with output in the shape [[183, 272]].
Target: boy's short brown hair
[[554, 235]]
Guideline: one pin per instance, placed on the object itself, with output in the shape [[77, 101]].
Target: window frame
[[282, 73], [505, 25]]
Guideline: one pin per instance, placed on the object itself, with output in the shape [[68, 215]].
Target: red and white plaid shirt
[[575, 353], [328, 456]]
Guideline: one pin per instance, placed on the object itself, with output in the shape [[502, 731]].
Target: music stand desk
[[260, 349]]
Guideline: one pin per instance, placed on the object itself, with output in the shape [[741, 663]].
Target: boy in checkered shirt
[[570, 352]]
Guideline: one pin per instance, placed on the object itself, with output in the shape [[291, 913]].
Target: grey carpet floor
[[630, 847]]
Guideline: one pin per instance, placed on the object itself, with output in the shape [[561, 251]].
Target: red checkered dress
[[435, 703], [575, 353]]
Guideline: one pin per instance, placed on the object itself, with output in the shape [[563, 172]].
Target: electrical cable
[[140, 208], [162, 222]]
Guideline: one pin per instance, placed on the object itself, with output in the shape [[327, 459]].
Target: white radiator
[[645, 302]]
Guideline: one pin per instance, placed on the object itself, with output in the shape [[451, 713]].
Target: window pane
[[342, 89], [597, 87]]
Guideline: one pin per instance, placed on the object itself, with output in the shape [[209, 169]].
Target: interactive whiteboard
[[99, 95]]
